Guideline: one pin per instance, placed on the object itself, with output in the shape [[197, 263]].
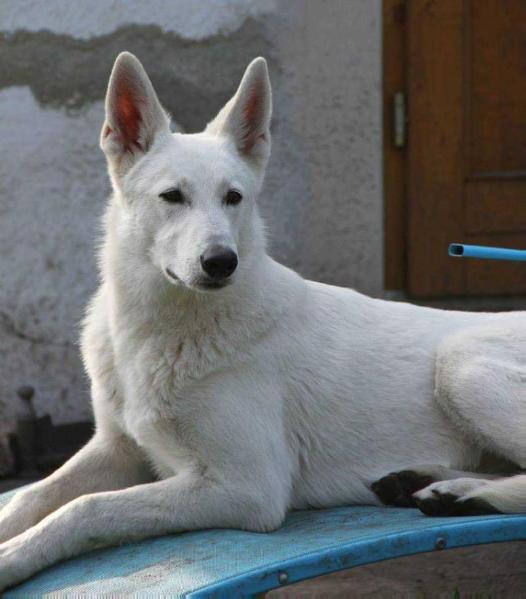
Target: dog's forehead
[[202, 163], [198, 157]]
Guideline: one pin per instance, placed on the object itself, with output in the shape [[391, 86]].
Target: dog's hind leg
[[103, 464], [471, 497], [481, 385]]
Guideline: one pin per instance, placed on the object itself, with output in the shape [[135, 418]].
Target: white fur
[[272, 393], [508, 495], [460, 487]]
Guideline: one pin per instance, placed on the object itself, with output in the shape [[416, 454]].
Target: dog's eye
[[174, 196], [233, 198]]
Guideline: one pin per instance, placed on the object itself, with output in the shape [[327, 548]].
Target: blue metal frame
[[444, 535]]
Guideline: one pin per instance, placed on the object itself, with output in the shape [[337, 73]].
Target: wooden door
[[466, 152]]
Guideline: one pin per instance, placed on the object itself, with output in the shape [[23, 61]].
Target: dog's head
[[186, 202]]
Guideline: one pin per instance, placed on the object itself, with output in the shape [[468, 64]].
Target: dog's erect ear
[[134, 115], [246, 117]]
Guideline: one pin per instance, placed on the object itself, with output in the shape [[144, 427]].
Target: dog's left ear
[[246, 117]]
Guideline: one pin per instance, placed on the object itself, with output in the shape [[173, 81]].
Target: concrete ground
[[483, 572]]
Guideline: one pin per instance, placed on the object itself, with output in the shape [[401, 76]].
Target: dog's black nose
[[219, 262]]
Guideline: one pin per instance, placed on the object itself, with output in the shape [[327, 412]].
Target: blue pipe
[[460, 250]]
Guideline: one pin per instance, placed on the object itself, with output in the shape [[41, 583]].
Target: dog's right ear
[[134, 116]]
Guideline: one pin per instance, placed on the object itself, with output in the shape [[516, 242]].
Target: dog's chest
[[159, 398], [162, 441], [157, 427]]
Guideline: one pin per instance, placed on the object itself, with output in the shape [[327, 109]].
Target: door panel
[[496, 86], [495, 206]]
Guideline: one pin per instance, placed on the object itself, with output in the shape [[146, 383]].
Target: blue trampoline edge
[[444, 536], [229, 563]]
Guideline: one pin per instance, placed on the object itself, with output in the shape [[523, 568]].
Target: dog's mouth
[[172, 275], [209, 285], [201, 284]]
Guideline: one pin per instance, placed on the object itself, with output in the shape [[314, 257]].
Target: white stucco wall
[[322, 198]]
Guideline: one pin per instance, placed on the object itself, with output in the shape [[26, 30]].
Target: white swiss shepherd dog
[[227, 390]]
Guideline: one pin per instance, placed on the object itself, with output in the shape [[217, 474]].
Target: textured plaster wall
[[322, 199]]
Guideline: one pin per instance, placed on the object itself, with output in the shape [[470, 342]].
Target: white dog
[[227, 390]]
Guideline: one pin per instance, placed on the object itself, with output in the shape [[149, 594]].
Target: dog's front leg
[[184, 502], [105, 463]]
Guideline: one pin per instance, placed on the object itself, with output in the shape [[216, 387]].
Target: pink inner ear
[[253, 114], [127, 116]]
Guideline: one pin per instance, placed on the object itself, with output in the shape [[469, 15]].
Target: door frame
[[409, 197], [394, 65]]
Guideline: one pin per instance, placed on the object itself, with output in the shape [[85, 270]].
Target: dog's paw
[[453, 498], [397, 488]]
